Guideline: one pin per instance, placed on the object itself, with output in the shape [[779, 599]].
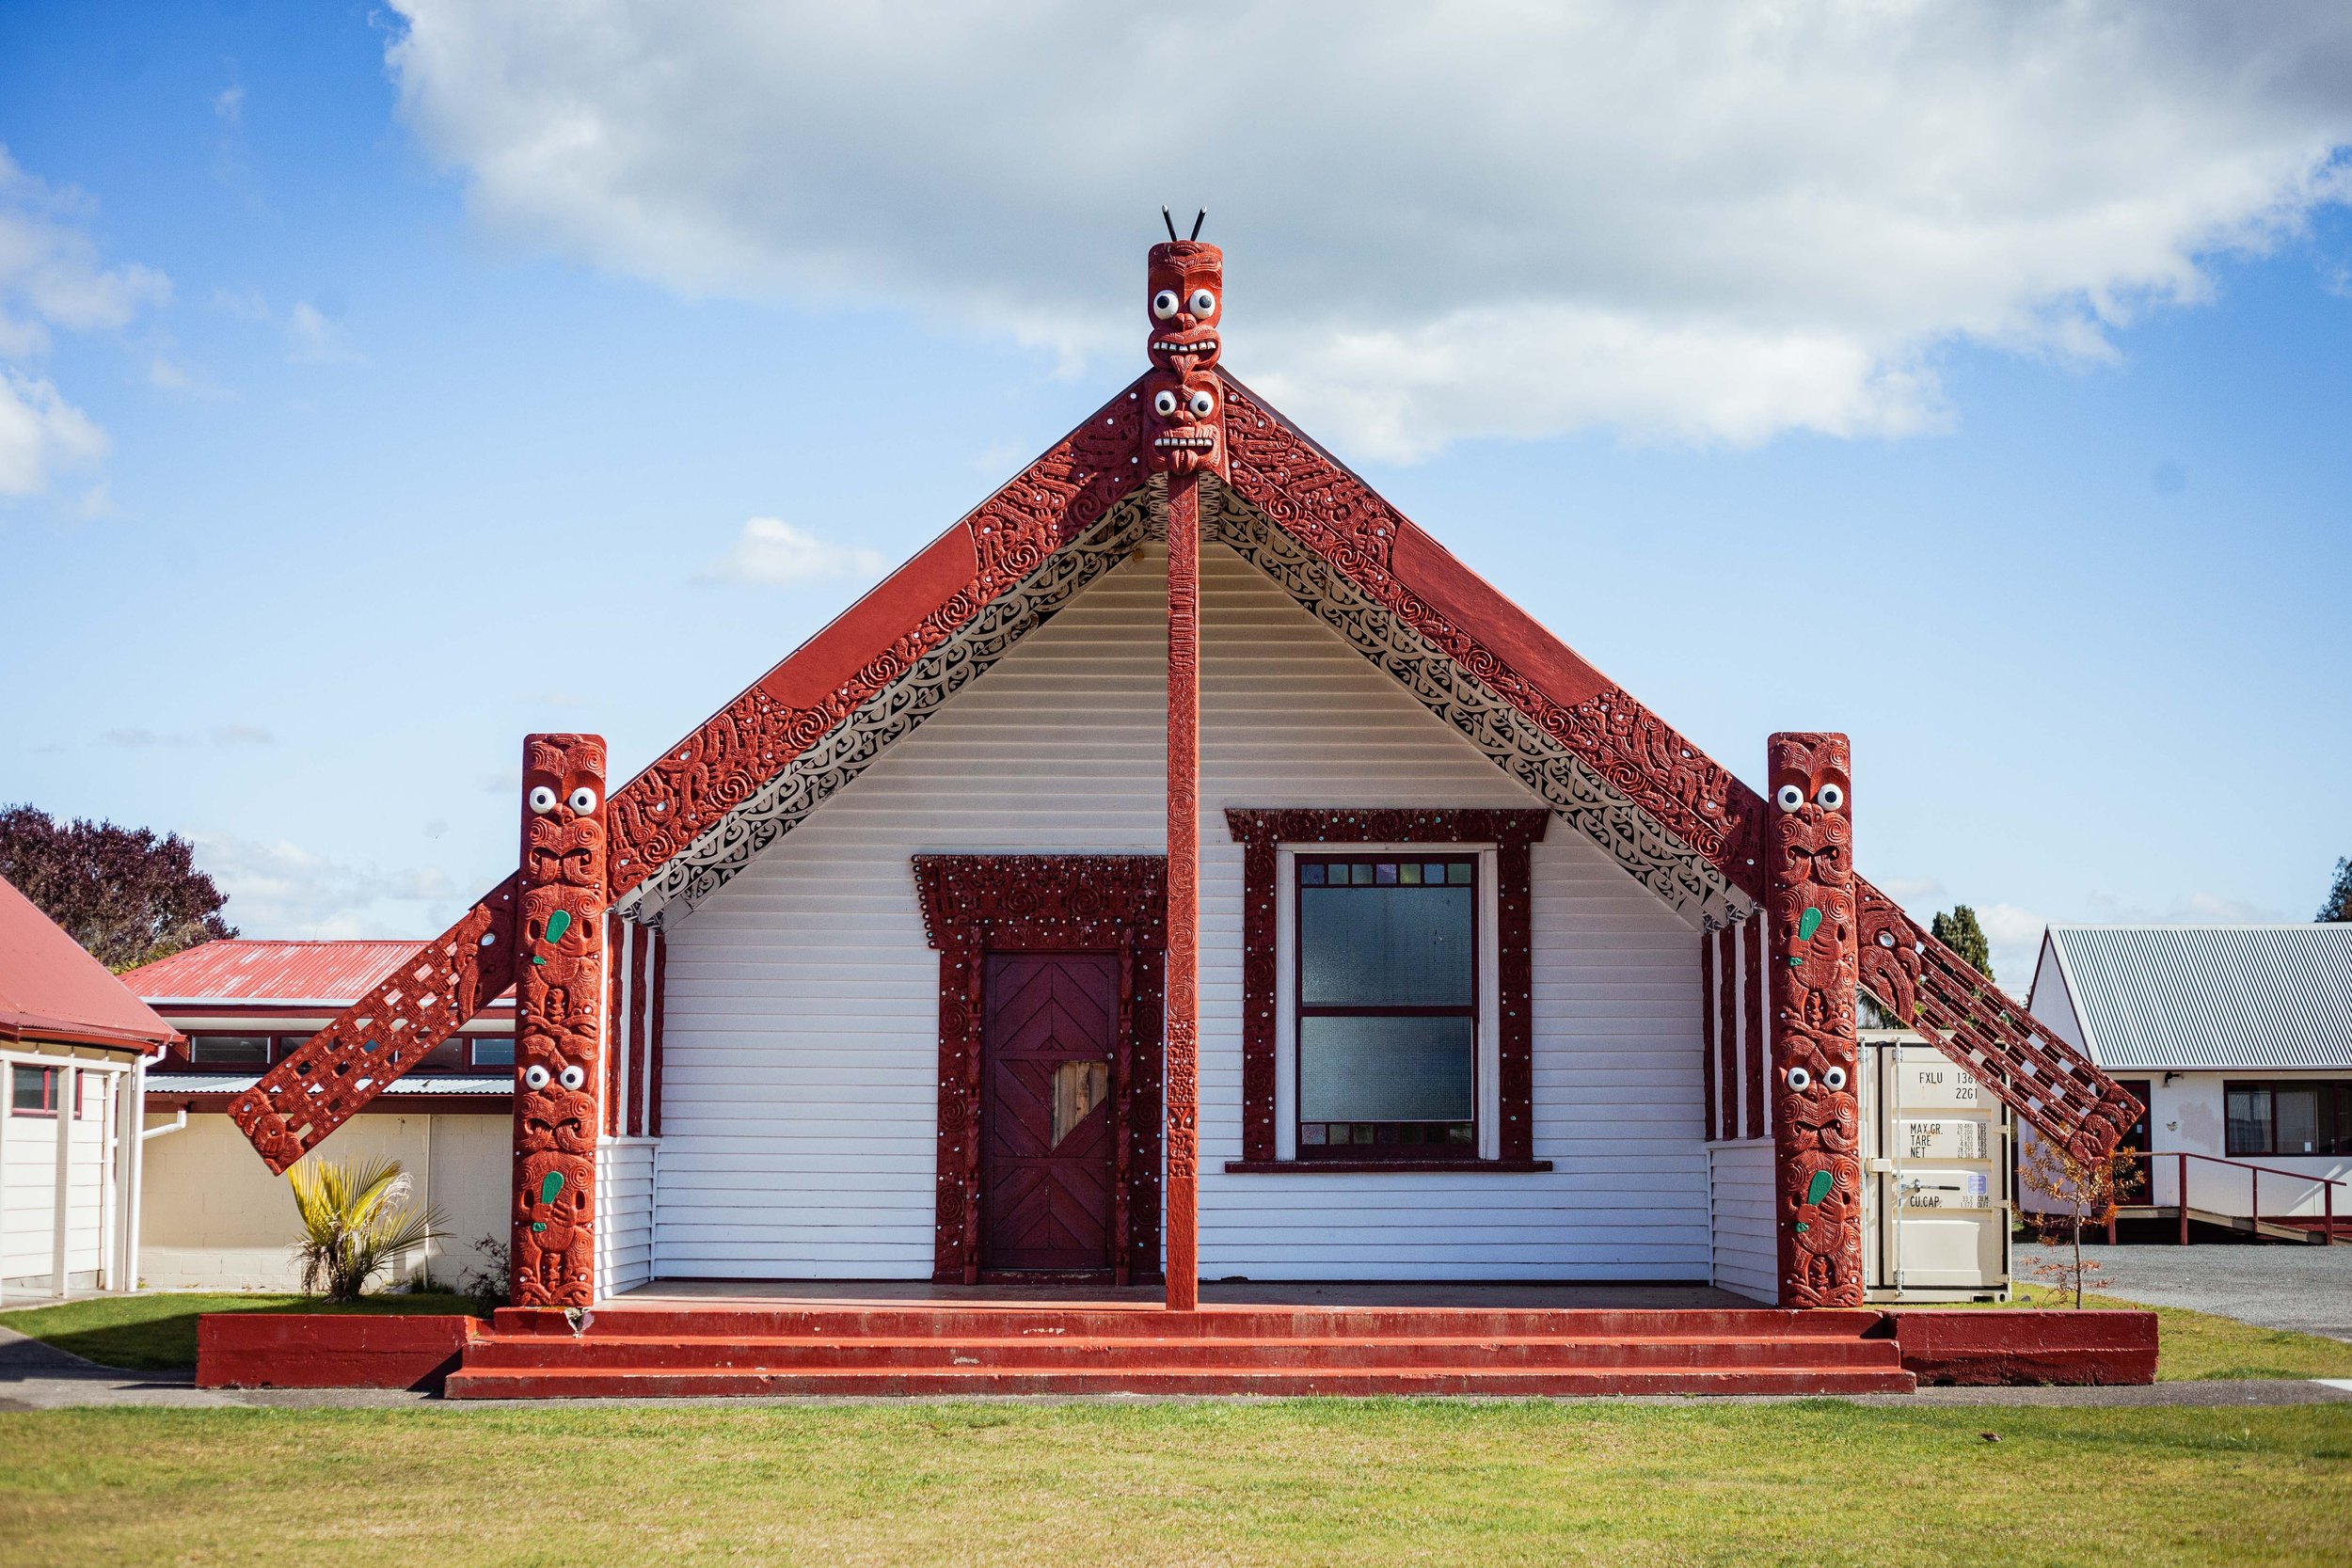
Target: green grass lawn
[[155, 1333], [1818, 1484]]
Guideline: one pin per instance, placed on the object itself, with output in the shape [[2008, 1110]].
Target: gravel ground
[[2304, 1288]]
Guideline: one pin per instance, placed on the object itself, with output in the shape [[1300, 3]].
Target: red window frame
[[47, 1104], [1262, 833]]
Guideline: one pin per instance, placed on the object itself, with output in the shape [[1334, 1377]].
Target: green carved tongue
[[553, 1183], [1814, 1190], [558, 923]]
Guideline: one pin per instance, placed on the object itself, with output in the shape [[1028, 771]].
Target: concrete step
[[1226, 1380]]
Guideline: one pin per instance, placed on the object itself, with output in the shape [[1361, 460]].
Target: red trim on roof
[[52, 989]]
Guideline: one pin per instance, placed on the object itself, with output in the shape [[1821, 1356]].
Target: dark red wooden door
[[1046, 1145]]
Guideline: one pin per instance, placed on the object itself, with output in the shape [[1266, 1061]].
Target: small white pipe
[[177, 1123]]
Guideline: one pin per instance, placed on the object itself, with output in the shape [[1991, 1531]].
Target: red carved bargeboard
[[726, 760], [1309, 495], [974, 905], [1261, 833], [1810, 937], [559, 1020], [343, 1066]]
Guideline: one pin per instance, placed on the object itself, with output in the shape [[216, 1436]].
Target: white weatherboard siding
[[800, 1108], [625, 1169], [1747, 1259]]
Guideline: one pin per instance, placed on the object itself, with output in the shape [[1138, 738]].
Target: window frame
[[197, 1037], [1485, 1053], [47, 1105], [1271, 839], [2335, 1110]]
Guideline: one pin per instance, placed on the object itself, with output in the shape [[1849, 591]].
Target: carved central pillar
[[559, 1020], [1811, 950], [1183, 439]]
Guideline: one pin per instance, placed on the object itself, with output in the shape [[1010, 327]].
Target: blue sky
[[418, 436]]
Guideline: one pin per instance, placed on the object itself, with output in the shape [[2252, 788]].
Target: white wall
[[624, 1180], [213, 1218], [800, 1055], [28, 1183], [1747, 1259]]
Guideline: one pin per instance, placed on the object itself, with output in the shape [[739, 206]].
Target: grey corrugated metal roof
[[227, 1082], [2174, 998]]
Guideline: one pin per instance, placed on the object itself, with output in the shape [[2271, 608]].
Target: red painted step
[[618, 1353], [638, 1383], [931, 1350]]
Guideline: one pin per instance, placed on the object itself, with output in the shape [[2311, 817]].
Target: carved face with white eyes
[[1186, 297], [562, 810], [1184, 423], [1814, 828], [555, 1106]]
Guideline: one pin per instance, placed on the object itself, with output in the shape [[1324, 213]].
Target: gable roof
[[249, 971], [1669, 814], [2180, 998], [52, 989]]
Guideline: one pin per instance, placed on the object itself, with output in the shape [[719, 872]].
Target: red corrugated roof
[[51, 990], [241, 971]]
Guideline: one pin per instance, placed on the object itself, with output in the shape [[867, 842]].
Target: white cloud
[[771, 552], [40, 434], [229, 104], [318, 338], [51, 277], [283, 890], [1685, 219]]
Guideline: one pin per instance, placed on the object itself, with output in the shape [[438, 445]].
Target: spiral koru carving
[[559, 1020]]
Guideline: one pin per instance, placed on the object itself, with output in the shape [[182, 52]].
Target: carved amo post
[[1184, 440], [559, 1020], [1812, 934]]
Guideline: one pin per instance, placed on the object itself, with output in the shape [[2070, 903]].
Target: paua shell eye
[[1789, 797], [583, 801], [1833, 1078], [572, 1077], [543, 799], [1828, 796], [536, 1077], [1800, 1079], [1164, 303], [1202, 302]]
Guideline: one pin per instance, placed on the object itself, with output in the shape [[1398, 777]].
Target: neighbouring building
[[74, 1045], [2236, 1039], [1184, 869], [212, 1216]]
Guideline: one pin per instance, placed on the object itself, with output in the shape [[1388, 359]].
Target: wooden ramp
[[951, 1349]]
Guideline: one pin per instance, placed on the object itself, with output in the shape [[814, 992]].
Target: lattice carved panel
[[1926, 986], [343, 1066]]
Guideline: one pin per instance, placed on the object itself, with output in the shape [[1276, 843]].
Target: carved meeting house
[[1185, 869]]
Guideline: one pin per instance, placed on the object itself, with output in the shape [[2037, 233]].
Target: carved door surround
[[978, 905]]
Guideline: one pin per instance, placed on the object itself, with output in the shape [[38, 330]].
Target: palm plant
[[356, 1219]]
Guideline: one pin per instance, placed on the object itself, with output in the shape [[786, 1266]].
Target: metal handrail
[[2328, 1189]]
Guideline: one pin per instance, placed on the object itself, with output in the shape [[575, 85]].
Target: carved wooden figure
[[559, 1018], [1812, 936]]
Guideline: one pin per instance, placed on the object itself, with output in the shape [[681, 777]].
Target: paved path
[[2304, 1288]]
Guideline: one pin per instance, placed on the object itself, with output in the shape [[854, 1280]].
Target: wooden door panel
[[1046, 1147]]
